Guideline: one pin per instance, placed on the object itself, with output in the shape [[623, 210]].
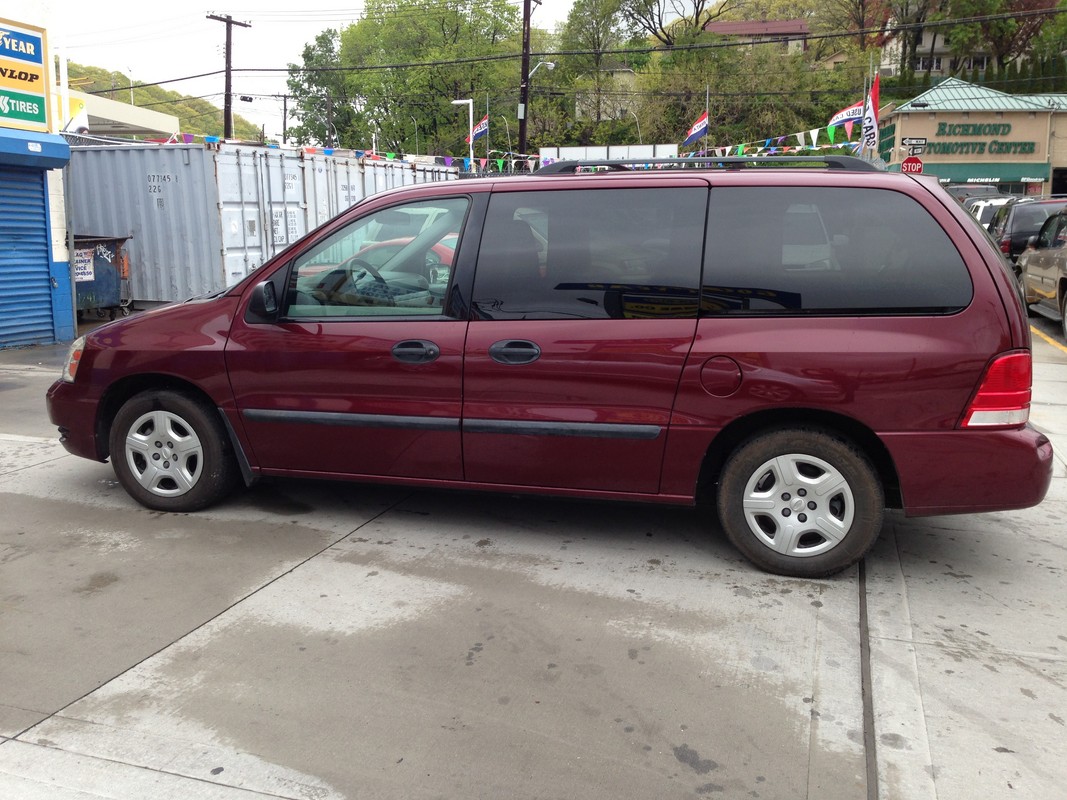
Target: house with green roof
[[974, 134]]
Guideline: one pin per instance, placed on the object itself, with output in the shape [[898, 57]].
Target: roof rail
[[706, 162]]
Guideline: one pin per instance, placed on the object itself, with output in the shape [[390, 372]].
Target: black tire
[[1063, 318], [801, 502], [171, 452]]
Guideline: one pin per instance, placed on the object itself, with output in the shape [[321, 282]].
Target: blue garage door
[[25, 277]]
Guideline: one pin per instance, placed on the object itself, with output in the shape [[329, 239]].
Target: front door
[[1044, 261], [362, 374]]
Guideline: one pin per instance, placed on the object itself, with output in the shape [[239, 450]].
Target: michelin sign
[[24, 91]]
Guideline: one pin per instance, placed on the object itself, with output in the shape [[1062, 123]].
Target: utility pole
[[227, 111], [524, 83], [285, 118]]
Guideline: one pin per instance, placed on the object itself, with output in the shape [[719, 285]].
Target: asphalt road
[[323, 640]]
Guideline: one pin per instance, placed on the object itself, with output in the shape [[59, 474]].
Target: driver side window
[[393, 262]]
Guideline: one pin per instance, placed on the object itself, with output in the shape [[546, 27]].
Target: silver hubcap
[[798, 505], [164, 453]]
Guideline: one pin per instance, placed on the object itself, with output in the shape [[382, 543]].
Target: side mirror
[[1031, 243], [263, 305]]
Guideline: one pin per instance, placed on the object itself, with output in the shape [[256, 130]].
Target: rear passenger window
[[591, 254], [828, 250]]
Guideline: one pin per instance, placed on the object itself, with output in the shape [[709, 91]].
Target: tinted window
[[591, 254], [827, 250], [395, 261], [1030, 217], [1053, 232]]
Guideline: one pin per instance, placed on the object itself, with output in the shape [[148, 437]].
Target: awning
[[31, 149], [987, 172]]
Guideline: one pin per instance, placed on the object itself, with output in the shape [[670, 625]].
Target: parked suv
[[803, 346], [1044, 270], [1016, 222]]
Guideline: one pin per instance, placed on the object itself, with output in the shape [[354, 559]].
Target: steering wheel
[[354, 268], [354, 263]]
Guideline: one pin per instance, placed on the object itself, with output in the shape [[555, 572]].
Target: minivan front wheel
[[171, 452], [800, 502]]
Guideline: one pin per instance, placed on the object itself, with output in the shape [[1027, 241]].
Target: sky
[[159, 41]]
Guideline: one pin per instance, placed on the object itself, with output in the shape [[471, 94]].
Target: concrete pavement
[[320, 640]]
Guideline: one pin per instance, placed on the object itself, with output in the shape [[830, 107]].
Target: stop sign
[[912, 164]]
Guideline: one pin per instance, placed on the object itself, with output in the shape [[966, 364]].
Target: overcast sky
[[164, 40]]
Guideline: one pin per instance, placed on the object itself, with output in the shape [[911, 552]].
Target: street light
[[470, 126], [524, 99], [508, 129], [416, 135], [550, 64], [638, 124]]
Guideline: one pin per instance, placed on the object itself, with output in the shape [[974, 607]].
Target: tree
[[667, 20], [910, 13], [860, 16], [593, 26], [322, 105], [460, 37], [1006, 37]]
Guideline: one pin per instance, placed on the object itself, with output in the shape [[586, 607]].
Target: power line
[[650, 50]]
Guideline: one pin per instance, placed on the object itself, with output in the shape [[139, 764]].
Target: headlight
[[74, 357]]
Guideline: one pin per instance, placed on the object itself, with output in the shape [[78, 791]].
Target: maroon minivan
[[806, 345]]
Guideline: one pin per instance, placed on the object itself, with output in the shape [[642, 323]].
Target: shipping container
[[620, 152], [202, 217]]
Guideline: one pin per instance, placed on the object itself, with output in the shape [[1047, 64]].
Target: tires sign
[[912, 165], [24, 93]]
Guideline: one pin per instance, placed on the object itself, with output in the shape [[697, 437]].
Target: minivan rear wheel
[[801, 502], [171, 452]]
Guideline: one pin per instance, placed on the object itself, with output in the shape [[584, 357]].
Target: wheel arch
[[122, 390], [744, 428]]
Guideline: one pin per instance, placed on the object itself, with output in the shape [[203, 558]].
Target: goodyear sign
[[24, 100]]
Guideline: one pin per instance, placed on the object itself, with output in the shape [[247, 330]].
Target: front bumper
[[75, 415]]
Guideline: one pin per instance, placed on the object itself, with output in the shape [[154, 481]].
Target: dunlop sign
[[24, 100]]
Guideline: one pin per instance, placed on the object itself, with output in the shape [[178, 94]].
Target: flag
[[870, 120], [480, 130], [854, 113], [699, 129]]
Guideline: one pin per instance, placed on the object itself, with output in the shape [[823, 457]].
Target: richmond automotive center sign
[[24, 95]]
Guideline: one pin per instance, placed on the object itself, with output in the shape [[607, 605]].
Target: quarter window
[[591, 254], [394, 262], [777, 250]]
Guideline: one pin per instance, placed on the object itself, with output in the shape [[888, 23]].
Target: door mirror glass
[[263, 305]]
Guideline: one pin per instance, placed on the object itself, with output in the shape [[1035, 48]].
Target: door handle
[[514, 351], [416, 351]]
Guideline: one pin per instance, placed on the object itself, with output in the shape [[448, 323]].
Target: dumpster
[[101, 276]]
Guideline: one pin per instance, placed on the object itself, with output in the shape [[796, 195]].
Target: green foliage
[[321, 102], [196, 116], [444, 50], [391, 103]]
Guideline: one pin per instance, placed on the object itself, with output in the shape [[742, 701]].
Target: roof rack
[[851, 163]]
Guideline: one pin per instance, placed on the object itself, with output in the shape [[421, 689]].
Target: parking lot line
[[1047, 338]]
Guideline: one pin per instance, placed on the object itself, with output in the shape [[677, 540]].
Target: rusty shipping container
[[202, 217]]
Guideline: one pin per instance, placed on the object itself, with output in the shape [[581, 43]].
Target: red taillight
[[1003, 396], [1005, 245]]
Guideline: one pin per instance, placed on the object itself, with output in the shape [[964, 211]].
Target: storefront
[[35, 290], [971, 134]]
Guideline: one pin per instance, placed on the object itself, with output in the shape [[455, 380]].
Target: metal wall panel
[[25, 257], [165, 200], [201, 218]]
